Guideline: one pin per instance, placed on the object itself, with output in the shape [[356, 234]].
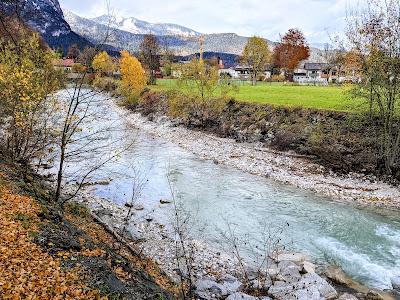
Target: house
[[64, 64], [312, 73], [323, 73], [230, 73], [242, 72]]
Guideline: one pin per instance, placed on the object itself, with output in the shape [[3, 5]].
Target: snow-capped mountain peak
[[137, 26]]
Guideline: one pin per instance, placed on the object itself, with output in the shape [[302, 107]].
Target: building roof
[[244, 67], [67, 62], [315, 66]]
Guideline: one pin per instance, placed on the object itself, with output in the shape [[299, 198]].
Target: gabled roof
[[315, 66], [68, 62]]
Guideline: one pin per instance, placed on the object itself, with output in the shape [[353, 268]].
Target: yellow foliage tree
[[27, 78], [133, 77], [256, 55], [102, 63]]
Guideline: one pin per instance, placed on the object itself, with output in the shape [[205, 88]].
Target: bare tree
[[138, 184], [253, 255], [185, 248], [150, 55], [373, 35], [85, 141]]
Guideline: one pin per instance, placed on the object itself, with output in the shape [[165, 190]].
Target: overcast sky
[[266, 18]]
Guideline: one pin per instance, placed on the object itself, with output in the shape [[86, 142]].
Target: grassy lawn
[[328, 98]]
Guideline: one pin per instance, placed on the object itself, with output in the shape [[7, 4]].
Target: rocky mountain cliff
[[46, 17]]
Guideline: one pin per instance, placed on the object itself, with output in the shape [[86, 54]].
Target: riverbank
[[49, 252], [285, 167], [217, 275]]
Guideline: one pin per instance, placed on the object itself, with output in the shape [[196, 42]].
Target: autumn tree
[[150, 56], [103, 63], [352, 64], [256, 55], [133, 77], [87, 56], [27, 81], [73, 51], [290, 51], [168, 59], [202, 94], [373, 38]]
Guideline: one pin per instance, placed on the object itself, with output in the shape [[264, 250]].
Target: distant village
[[307, 73]]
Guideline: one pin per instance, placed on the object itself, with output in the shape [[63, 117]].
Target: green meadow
[[336, 98]]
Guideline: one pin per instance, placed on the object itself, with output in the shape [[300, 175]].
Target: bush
[[106, 84], [277, 78], [150, 102], [196, 111]]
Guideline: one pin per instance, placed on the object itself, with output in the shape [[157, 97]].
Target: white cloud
[[268, 18]]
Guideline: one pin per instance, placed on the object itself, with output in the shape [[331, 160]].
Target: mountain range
[[137, 26], [61, 28], [127, 33]]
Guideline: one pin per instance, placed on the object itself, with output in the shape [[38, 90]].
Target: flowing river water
[[364, 242]]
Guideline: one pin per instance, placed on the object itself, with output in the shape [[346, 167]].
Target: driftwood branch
[[118, 237]]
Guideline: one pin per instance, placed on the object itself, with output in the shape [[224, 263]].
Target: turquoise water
[[364, 242]]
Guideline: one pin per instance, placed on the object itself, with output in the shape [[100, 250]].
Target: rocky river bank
[[289, 276], [285, 167], [216, 275]]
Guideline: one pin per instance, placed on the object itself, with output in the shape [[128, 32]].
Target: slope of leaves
[[26, 272]]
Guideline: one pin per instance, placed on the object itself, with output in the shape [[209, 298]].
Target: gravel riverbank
[[213, 270], [283, 167]]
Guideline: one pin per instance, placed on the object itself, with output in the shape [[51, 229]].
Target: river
[[365, 242]]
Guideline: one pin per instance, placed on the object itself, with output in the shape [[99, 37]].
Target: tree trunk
[[254, 79], [60, 173]]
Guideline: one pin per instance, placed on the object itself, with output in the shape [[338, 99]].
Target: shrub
[[196, 111], [277, 78], [106, 84], [150, 102]]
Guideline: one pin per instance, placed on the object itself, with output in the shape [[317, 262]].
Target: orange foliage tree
[[292, 49]]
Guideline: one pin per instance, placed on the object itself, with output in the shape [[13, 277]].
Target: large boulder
[[286, 291], [289, 272], [325, 289], [337, 275], [133, 233], [294, 257], [209, 289], [311, 286], [231, 284]]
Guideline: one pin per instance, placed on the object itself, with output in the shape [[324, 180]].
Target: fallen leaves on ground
[[27, 272]]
